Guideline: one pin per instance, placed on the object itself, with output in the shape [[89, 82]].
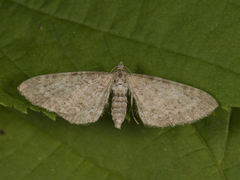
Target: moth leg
[[132, 110]]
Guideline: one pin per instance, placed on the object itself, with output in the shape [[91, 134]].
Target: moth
[[80, 97]]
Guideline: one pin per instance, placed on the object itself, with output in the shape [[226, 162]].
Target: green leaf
[[34, 147], [195, 43]]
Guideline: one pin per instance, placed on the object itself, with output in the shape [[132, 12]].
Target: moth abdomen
[[119, 104]]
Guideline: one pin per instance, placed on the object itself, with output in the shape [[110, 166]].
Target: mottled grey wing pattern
[[162, 102], [79, 97]]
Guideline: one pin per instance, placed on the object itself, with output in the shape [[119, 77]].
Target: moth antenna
[[127, 69], [113, 69]]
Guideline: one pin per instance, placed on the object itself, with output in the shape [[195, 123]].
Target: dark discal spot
[[2, 132]]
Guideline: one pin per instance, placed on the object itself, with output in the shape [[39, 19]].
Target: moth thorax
[[119, 103]]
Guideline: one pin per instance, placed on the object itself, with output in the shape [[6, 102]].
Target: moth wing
[[78, 97], [162, 102]]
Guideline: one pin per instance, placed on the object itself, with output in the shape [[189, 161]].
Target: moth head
[[120, 68]]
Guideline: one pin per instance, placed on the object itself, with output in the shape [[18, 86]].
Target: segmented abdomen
[[119, 103]]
